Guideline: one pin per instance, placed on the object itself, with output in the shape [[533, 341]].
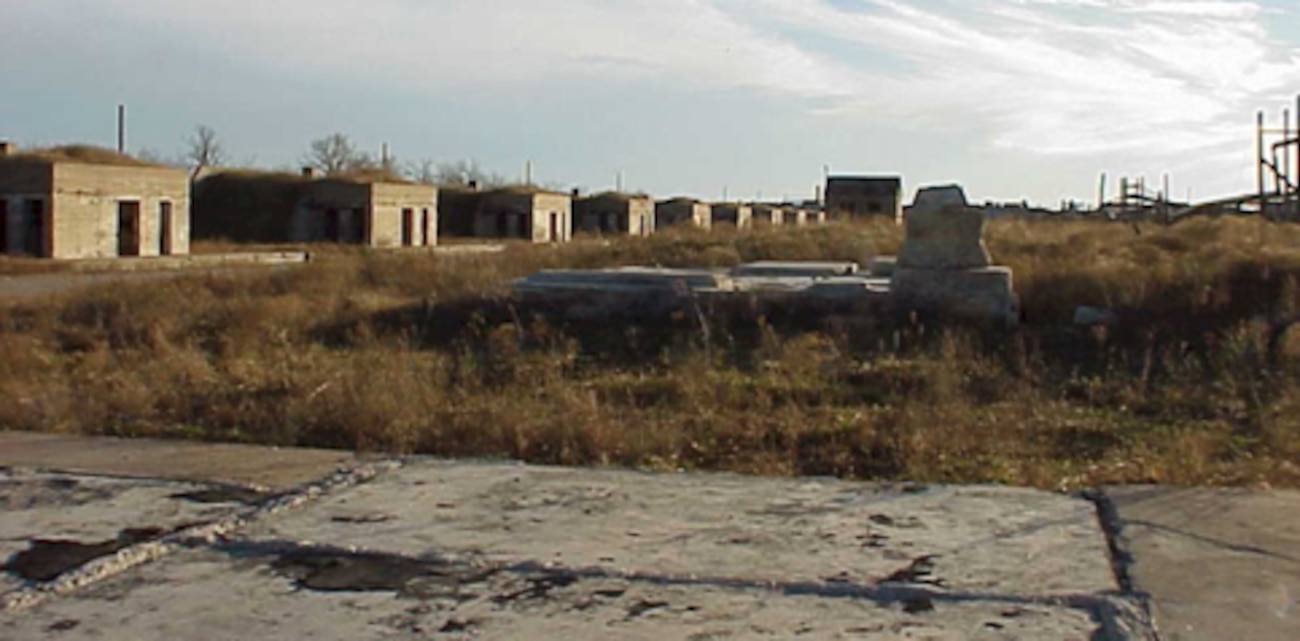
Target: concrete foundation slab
[[972, 540], [252, 594], [1217, 563]]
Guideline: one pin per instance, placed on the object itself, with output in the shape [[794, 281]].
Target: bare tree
[[423, 171], [463, 172], [335, 154], [203, 150]]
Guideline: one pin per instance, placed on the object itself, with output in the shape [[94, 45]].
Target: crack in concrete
[[115, 562], [1121, 559], [345, 569]]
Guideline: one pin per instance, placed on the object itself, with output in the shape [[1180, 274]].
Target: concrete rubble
[[943, 269]]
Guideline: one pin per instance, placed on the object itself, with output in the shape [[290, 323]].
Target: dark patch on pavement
[[47, 559], [230, 494]]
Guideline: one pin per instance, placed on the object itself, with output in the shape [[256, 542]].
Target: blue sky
[[1013, 98]]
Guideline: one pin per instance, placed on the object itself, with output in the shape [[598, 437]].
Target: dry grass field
[[1198, 382]]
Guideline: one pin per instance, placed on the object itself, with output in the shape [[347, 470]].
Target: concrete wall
[[683, 212], [733, 215], [633, 216], [524, 215], [83, 216], [372, 214], [768, 215], [390, 202]]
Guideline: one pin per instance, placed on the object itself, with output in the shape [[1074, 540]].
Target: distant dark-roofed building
[[85, 202], [266, 207], [614, 213], [854, 197]]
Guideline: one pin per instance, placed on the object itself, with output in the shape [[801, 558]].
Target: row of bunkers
[[83, 202]]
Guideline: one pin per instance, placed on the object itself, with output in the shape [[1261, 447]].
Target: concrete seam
[[134, 556], [1121, 559]]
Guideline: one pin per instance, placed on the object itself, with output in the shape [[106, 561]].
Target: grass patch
[[412, 352]]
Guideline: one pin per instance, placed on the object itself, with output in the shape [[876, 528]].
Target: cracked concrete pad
[[209, 595], [974, 540], [270, 467], [87, 514], [1217, 563]]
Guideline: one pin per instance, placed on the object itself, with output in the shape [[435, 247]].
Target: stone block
[[983, 294], [943, 232]]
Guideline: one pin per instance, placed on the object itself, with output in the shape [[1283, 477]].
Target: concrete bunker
[[522, 213], [85, 202], [857, 197], [263, 207], [683, 212], [612, 213]]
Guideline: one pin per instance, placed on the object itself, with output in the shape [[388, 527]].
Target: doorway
[[555, 227], [424, 228], [128, 228], [34, 228], [165, 229], [333, 226], [4, 226], [408, 227]]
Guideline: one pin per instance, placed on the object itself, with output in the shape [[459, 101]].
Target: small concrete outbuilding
[[683, 211], [518, 212], [261, 207], [86, 202], [766, 215], [733, 215], [612, 213], [857, 197]]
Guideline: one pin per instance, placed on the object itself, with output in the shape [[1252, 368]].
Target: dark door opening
[[408, 227], [165, 229], [333, 226], [4, 226], [128, 228], [503, 225], [34, 229], [424, 228], [365, 230], [555, 227]]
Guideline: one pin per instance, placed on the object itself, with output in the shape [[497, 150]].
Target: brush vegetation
[[1197, 383]]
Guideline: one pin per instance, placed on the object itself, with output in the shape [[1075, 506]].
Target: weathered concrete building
[[767, 215], [84, 202], [850, 197], [613, 213], [377, 211], [733, 215], [524, 213], [683, 211]]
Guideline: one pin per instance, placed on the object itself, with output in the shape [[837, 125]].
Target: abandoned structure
[[85, 202], [769, 215], [613, 213], [732, 215], [520, 212], [683, 211], [943, 266], [376, 211], [850, 197]]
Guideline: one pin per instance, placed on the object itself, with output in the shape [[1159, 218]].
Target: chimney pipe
[[121, 129]]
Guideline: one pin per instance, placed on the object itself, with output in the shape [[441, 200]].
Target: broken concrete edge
[[132, 556], [1138, 611], [266, 492]]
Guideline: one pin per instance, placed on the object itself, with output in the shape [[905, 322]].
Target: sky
[[1014, 99]]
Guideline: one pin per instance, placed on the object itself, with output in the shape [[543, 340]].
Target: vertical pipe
[[528, 173], [1286, 152], [121, 129], [1101, 192]]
